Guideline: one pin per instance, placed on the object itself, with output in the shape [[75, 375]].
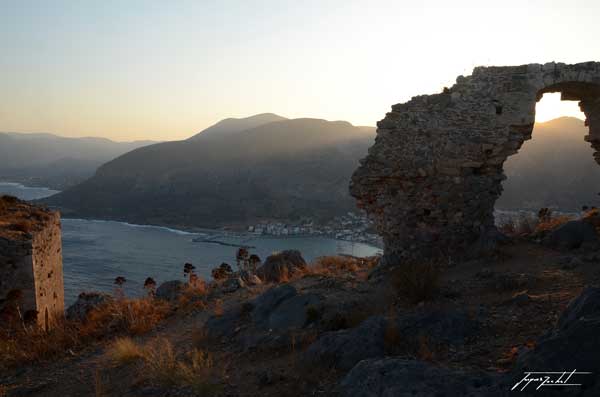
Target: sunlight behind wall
[[551, 107]]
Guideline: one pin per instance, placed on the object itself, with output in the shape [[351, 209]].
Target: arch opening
[[555, 169], [432, 179]]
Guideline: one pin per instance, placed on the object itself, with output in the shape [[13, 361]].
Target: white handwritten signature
[[543, 379]]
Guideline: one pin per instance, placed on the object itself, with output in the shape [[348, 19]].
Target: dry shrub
[[122, 317], [32, 344], [218, 309], [162, 366], [125, 316], [123, 351], [551, 223], [341, 264], [416, 282], [193, 297]]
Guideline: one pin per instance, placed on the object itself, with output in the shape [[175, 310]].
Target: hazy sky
[[167, 69]]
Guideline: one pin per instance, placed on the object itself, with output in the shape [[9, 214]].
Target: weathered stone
[[343, 349], [442, 326], [572, 234], [31, 262], [232, 284], [86, 302], [573, 344], [278, 267], [170, 290], [387, 377], [462, 138]]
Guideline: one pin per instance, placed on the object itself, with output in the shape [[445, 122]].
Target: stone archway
[[432, 177]]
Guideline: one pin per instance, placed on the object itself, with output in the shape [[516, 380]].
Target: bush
[[124, 350], [120, 317], [162, 366], [416, 282]]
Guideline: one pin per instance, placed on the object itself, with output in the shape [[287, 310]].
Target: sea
[[97, 251]]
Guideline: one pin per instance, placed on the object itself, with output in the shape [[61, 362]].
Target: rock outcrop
[[278, 267], [432, 177], [85, 303]]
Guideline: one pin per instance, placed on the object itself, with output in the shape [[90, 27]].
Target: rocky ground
[[344, 327]]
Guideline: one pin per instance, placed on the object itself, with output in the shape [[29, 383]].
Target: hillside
[[555, 168], [229, 174], [54, 161]]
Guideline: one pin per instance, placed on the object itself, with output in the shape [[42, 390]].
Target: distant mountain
[[236, 172], [555, 168], [54, 161], [232, 125]]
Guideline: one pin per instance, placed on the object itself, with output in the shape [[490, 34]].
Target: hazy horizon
[[157, 71]]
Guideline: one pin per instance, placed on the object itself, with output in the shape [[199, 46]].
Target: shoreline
[[182, 229]]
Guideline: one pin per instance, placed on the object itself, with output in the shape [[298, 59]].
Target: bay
[[97, 251]]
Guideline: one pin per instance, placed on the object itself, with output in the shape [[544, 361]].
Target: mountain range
[[238, 171], [53, 161], [555, 168], [267, 167]]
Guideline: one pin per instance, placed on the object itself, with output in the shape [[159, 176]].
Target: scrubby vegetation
[[416, 282], [160, 364], [118, 317]]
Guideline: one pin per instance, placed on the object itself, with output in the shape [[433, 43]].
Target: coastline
[[216, 233]]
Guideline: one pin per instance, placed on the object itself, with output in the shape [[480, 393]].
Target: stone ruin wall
[[432, 177], [34, 266]]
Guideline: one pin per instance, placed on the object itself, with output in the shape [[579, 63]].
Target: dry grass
[[341, 264], [125, 316], [121, 317], [552, 223], [416, 282], [34, 344], [124, 351], [193, 297], [162, 366]]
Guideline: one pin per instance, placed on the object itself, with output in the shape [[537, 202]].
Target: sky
[[164, 70]]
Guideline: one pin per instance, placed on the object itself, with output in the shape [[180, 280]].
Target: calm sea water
[[95, 251]]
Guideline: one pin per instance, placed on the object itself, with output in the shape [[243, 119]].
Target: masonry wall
[[432, 177], [16, 271], [48, 272], [31, 262]]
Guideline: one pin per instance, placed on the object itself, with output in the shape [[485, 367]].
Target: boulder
[[232, 284], [265, 303], [397, 377], [343, 349], [292, 313], [170, 290], [223, 326], [572, 344], [572, 234], [86, 301], [278, 267], [249, 278], [451, 326]]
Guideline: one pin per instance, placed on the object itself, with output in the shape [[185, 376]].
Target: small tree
[[188, 271], [241, 258], [150, 286], [254, 262], [119, 282]]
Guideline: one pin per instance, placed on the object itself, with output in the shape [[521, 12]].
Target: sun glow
[[551, 107]]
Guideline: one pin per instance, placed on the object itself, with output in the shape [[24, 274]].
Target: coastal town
[[352, 226]]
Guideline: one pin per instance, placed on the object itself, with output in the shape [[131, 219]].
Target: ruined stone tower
[[31, 276], [432, 177]]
